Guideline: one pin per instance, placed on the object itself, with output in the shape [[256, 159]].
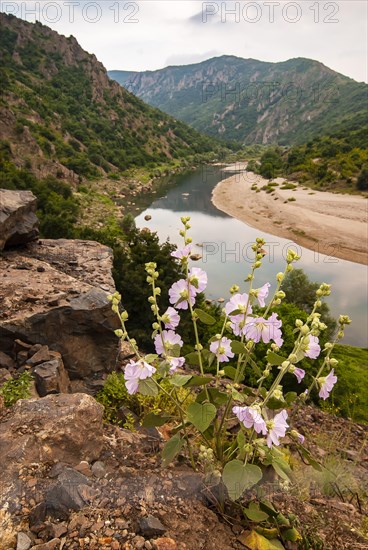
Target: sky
[[152, 34]]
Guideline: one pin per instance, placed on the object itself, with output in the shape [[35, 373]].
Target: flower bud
[[318, 303], [266, 373], [234, 289], [151, 300], [280, 294], [119, 333], [340, 334], [277, 394], [292, 358], [257, 264], [280, 277], [304, 329], [333, 362], [292, 256], [299, 323], [155, 326], [124, 316]]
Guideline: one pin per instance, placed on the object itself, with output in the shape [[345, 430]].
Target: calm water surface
[[226, 248]]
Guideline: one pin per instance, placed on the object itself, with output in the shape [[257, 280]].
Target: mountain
[[252, 101], [61, 115]]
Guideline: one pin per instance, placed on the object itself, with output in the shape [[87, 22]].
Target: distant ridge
[[61, 115], [253, 101]]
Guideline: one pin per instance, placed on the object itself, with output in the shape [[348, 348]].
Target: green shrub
[[17, 388], [114, 395]]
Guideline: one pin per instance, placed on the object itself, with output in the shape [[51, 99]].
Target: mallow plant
[[204, 428]]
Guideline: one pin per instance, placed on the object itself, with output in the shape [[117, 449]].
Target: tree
[[362, 182], [301, 292]]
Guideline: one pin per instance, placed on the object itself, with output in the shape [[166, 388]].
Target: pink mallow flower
[[171, 318], [299, 373], [136, 371], [175, 363], [326, 384], [238, 302], [222, 349], [266, 329], [262, 294], [198, 279], [277, 428], [251, 418], [182, 253], [179, 294], [170, 339], [314, 349]]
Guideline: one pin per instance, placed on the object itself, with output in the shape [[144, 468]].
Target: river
[[227, 256]]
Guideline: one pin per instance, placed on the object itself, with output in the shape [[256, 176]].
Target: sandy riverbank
[[332, 224]]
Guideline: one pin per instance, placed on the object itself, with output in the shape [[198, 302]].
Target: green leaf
[[147, 387], [238, 477], [269, 533], [230, 372], [192, 359], [282, 520], [254, 513], [274, 359], [204, 317], [238, 347], [290, 397], [179, 380], [201, 415], [312, 462], [151, 357], [171, 449], [237, 396], [153, 420], [281, 468], [215, 396], [199, 381], [291, 535], [175, 350], [275, 404], [268, 507], [255, 541]]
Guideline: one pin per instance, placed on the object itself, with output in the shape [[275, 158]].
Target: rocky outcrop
[[54, 293], [18, 220]]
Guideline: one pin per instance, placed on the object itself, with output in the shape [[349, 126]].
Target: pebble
[[139, 542], [23, 541]]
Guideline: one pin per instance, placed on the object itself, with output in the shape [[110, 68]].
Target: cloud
[[174, 32], [187, 59]]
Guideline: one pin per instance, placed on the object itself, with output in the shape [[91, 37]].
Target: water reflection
[[225, 246]]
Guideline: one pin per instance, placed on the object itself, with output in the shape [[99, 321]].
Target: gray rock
[[81, 326], [23, 541], [51, 377], [41, 356], [53, 544], [151, 526], [4, 376], [37, 514], [98, 469], [6, 362], [18, 220], [55, 428], [67, 494]]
